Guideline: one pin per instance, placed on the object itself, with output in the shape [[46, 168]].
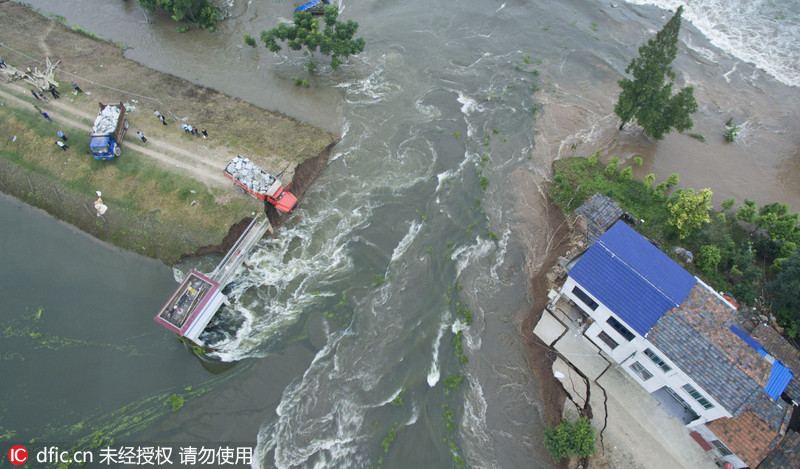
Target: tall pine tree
[[648, 97]]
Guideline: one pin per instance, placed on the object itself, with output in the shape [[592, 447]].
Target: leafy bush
[[747, 212], [626, 174], [731, 132], [611, 169], [248, 39], [570, 438], [690, 211], [673, 180], [708, 259], [728, 204]]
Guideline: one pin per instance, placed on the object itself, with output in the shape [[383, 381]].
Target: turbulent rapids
[[348, 329]]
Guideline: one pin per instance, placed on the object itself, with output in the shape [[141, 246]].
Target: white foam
[[762, 32], [477, 443], [468, 254], [468, 105], [404, 243], [371, 89], [434, 372]]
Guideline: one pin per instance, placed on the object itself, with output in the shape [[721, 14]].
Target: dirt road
[[170, 149]]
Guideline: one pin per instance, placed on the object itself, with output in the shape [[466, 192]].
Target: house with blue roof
[[680, 340]]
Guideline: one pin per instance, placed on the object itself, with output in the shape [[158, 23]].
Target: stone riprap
[[253, 177]]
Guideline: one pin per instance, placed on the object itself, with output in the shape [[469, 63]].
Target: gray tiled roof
[[600, 212], [706, 365], [785, 455], [773, 413]]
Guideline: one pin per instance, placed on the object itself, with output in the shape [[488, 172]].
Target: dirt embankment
[[167, 197], [541, 358]]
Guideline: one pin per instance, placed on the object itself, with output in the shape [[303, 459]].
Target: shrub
[[673, 180], [638, 161], [248, 39], [708, 259], [593, 158], [690, 211], [747, 212], [611, 169], [650, 178], [728, 204], [626, 174], [570, 438], [731, 132]]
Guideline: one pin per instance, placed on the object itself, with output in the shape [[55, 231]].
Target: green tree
[[200, 12], [648, 96], [570, 438], [783, 292], [690, 211], [778, 222], [335, 39]]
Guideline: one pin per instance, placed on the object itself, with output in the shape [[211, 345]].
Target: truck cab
[[104, 148], [283, 200]]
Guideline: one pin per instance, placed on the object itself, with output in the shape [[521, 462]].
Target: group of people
[[61, 143], [193, 130]]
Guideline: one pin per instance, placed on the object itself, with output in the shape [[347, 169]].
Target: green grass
[[576, 179]]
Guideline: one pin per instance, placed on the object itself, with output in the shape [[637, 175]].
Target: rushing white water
[[764, 32]]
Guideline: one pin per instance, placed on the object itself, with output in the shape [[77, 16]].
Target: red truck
[[260, 184]]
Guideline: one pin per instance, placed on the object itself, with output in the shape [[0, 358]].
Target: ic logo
[[17, 455]]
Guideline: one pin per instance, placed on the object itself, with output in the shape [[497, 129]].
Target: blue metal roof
[[631, 277], [748, 340], [779, 376], [308, 5]]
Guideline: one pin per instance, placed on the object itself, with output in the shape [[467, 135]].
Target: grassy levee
[[149, 196], [151, 210]]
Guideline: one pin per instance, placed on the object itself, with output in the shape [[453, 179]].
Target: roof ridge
[[613, 254]]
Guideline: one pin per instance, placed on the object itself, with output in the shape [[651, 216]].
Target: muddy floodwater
[[339, 350]]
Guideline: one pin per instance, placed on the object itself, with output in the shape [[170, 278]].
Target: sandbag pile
[[250, 175], [106, 121]]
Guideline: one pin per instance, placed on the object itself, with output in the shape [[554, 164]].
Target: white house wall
[[629, 352]]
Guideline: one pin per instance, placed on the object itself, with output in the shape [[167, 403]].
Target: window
[[612, 344], [585, 298], [657, 360], [623, 331], [723, 450], [697, 396], [641, 371]]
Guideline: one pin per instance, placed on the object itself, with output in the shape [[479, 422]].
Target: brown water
[[399, 202]]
